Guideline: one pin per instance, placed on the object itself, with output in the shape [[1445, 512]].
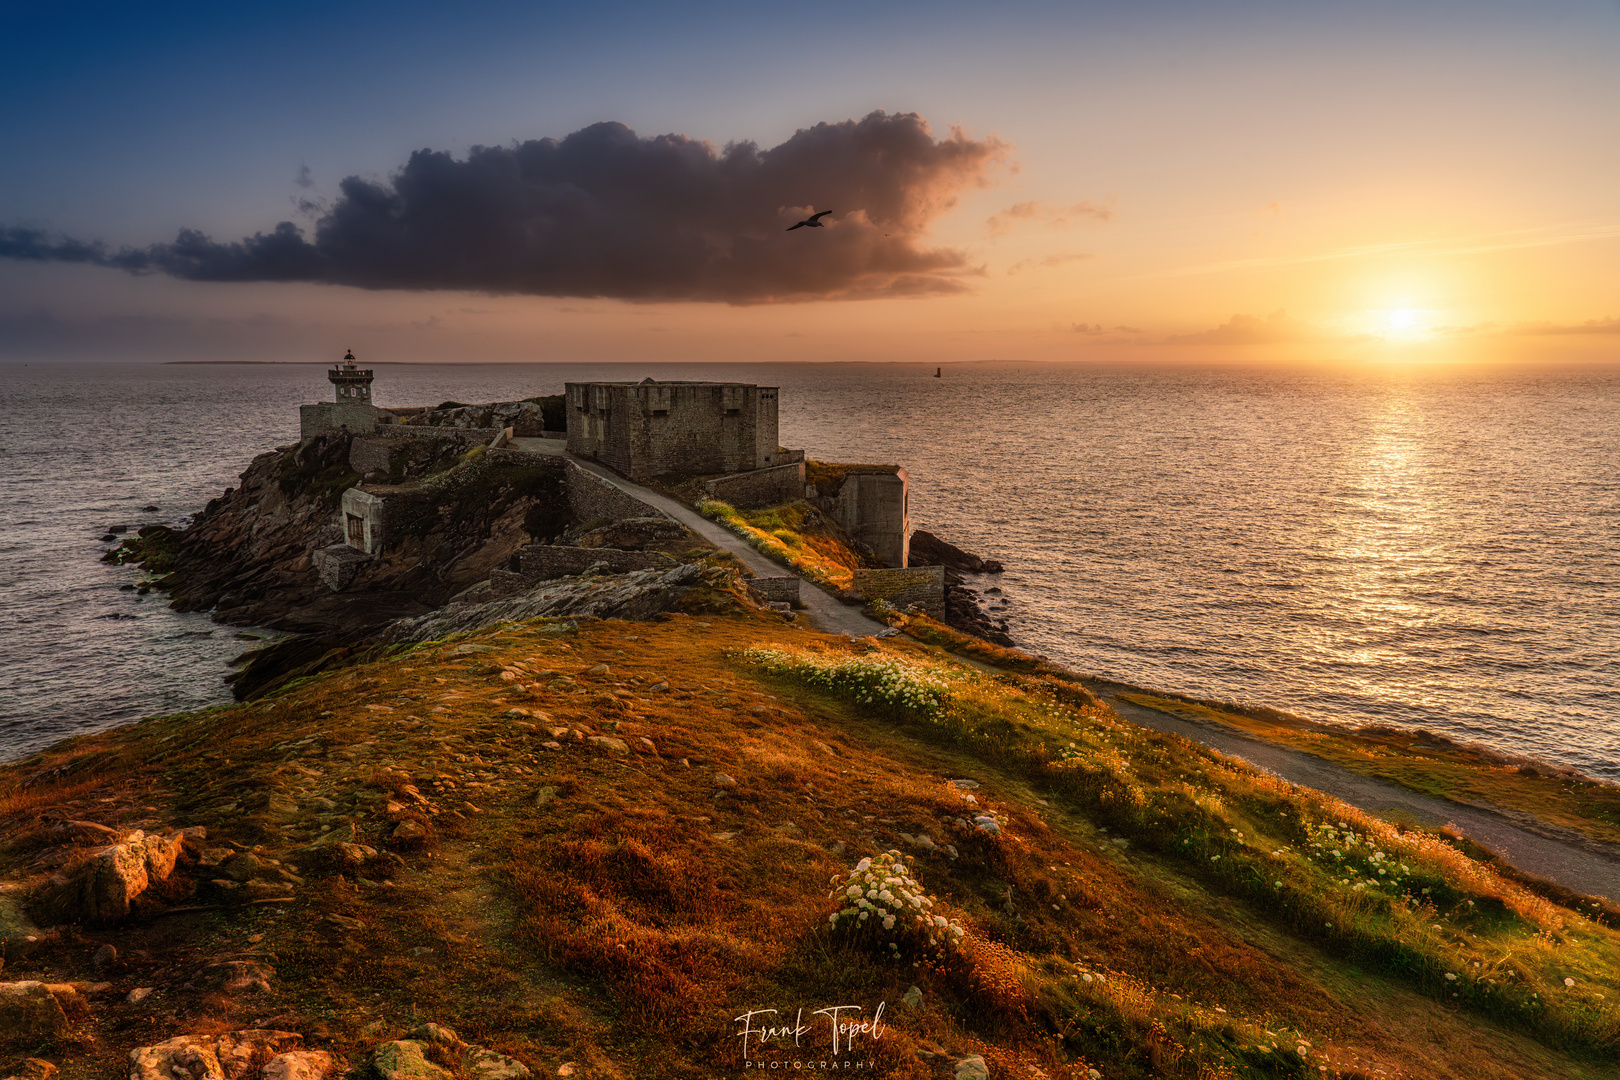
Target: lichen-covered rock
[[479, 1063], [405, 1059]]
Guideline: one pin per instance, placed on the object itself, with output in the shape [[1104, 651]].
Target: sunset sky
[[1251, 180]]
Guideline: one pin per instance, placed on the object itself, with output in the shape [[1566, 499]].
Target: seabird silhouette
[[814, 221]]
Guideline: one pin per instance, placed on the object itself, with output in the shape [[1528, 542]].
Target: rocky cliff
[[249, 555]]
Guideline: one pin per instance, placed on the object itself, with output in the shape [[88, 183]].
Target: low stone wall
[[920, 585], [591, 498], [761, 487], [782, 590], [541, 562], [468, 435]]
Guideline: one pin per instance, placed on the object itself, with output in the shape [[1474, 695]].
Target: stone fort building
[[647, 429]]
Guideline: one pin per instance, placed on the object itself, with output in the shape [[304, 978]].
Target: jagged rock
[[637, 595], [405, 1059], [36, 1010], [478, 1063], [34, 1069], [913, 998], [608, 742], [235, 1055], [630, 534], [242, 1053], [101, 891], [185, 1056], [410, 833], [929, 550], [300, 1065], [138, 995]]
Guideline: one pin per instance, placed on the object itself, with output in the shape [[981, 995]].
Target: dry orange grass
[[620, 909]]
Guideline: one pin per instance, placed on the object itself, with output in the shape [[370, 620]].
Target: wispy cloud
[[1048, 215], [1049, 262], [1276, 328], [1474, 244]]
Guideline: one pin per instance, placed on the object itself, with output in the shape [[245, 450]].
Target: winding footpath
[[825, 612], [1584, 866]]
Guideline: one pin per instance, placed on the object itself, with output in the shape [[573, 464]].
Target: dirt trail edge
[[1573, 866]]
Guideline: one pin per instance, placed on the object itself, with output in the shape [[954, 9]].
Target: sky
[[499, 181]]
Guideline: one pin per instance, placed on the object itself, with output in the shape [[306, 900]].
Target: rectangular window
[[357, 531]]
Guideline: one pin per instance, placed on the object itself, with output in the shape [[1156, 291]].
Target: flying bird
[[814, 221]]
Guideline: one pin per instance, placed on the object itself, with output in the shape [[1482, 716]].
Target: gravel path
[[825, 612], [1586, 867]]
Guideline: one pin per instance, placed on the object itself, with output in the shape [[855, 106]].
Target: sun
[[1399, 322]]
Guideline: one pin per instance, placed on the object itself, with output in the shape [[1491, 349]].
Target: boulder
[[243, 1053], [300, 1065], [36, 1010], [405, 1059], [101, 890], [186, 1056]]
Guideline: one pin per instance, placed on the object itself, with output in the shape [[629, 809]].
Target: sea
[[1429, 547]]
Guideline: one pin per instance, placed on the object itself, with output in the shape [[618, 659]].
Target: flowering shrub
[[884, 682], [884, 906], [1365, 864]]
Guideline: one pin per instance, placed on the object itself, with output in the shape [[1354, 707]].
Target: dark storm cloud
[[604, 212]]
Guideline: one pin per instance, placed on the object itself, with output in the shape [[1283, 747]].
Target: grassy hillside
[[597, 848]]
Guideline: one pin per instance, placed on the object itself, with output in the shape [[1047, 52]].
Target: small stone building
[[654, 428]]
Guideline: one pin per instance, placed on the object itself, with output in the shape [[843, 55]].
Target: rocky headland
[[494, 822]]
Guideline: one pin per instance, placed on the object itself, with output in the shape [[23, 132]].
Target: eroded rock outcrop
[[102, 889], [638, 595]]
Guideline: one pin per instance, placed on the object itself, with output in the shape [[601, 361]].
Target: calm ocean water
[[1436, 548]]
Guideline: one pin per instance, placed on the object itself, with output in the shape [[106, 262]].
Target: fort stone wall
[[923, 586], [762, 487]]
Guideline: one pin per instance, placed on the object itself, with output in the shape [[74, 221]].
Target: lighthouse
[[353, 383]]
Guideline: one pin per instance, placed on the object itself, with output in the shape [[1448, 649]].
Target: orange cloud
[[1053, 217]]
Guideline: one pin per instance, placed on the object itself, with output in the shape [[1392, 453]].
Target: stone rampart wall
[[541, 562], [762, 487], [920, 585], [591, 498], [783, 590]]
